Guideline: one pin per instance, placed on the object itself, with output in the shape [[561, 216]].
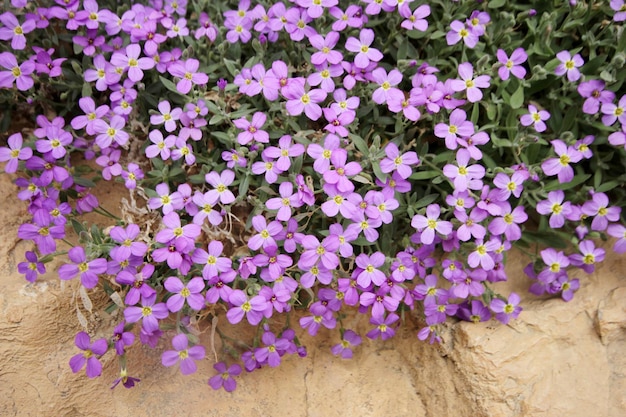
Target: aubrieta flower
[[189, 292], [362, 47], [587, 258], [220, 183], [620, 7], [598, 208], [224, 378], [569, 65], [415, 20], [344, 348], [14, 153], [15, 31], [469, 84], [613, 113], [536, 118], [241, 306], [32, 267], [128, 247], [430, 224], [512, 65], [561, 166], [88, 271], [300, 100], [595, 94], [464, 176], [149, 313], [556, 208], [188, 73], [19, 74], [458, 31], [506, 309], [127, 381], [252, 130], [184, 354], [383, 328], [459, 126], [212, 260], [88, 356]]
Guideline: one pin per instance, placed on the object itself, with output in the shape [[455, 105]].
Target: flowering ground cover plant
[[312, 159]]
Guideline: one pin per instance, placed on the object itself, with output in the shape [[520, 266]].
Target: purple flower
[[128, 247], [321, 316], [364, 53], [324, 46], [482, 255], [14, 153], [344, 348], [283, 152], [315, 252], [470, 84], [506, 309], [167, 116], [555, 262], [267, 233], [614, 112], [512, 65], [129, 60], [285, 202], [20, 74], [595, 94], [88, 356], [32, 267], [14, 31], [536, 118], [474, 312], [561, 166], [212, 261], [188, 73], [387, 82], [459, 31], [252, 308], [252, 130], [569, 65], [398, 162], [184, 354], [161, 147], [127, 381], [121, 339], [225, 377], [508, 222], [107, 133], [554, 206], [149, 312], [220, 183], [367, 271], [383, 327], [459, 126], [430, 224], [88, 270], [464, 176], [620, 7], [598, 207], [189, 292], [415, 20], [618, 231], [300, 100]]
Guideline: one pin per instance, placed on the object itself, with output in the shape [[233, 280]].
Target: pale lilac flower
[[430, 224], [314, 252], [129, 60], [267, 167], [587, 258], [107, 133], [284, 152], [569, 65], [252, 308], [458, 31], [620, 8], [352, 17], [161, 147], [175, 231], [189, 292], [344, 348], [266, 233], [482, 255], [285, 202], [149, 313], [598, 208], [128, 247], [337, 121], [14, 153], [463, 176], [470, 84], [459, 126], [20, 74], [383, 327], [188, 73], [297, 24], [512, 65], [322, 155], [506, 309], [32, 267], [614, 112], [324, 46], [184, 354], [618, 231], [14, 31], [364, 53], [415, 20], [387, 82], [557, 209], [299, 100], [220, 183], [338, 176], [510, 185], [212, 260], [561, 166], [508, 223], [367, 271], [167, 116], [88, 356], [470, 226], [239, 29], [536, 118], [168, 201]]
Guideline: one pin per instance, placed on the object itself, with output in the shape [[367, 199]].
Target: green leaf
[[556, 185], [517, 99], [426, 200], [424, 175], [230, 66], [494, 4], [169, 84]]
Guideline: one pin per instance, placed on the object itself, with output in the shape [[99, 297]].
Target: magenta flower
[[536, 118], [459, 126], [555, 207], [364, 53], [470, 84], [184, 354], [299, 100], [225, 377], [14, 31], [588, 256], [127, 381], [458, 31], [506, 309], [88, 270], [188, 73], [337, 121], [598, 207], [149, 313], [338, 177], [430, 224], [569, 65], [14, 153], [20, 74], [252, 130], [88, 356], [560, 166], [252, 308]]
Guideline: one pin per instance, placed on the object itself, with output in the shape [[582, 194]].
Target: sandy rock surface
[[557, 359]]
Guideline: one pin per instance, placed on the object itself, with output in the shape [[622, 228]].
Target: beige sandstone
[[557, 359]]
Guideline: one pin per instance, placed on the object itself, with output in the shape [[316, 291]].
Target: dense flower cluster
[[299, 156]]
